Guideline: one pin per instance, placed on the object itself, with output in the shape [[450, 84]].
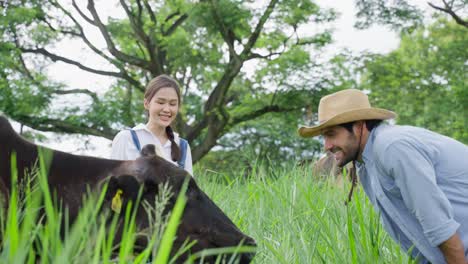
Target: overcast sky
[[376, 39]]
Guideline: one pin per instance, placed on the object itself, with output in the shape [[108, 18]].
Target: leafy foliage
[[223, 53], [398, 14], [425, 79], [268, 141], [403, 15]]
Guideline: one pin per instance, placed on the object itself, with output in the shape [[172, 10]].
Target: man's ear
[[358, 127], [120, 190]]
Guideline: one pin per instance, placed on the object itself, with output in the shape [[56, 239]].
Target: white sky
[[376, 39]]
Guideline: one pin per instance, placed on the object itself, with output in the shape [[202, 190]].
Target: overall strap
[[135, 139], [183, 153]]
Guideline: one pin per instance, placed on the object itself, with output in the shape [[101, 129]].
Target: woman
[[162, 103]]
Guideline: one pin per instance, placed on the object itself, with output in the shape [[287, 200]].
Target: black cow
[[70, 176]]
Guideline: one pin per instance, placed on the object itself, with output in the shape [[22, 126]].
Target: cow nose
[[246, 258], [250, 242]]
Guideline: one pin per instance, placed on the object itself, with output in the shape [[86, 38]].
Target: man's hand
[[453, 250]]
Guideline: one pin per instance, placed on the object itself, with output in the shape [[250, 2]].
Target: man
[[415, 178]]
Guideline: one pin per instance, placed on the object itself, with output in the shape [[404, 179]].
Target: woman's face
[[162, 107]]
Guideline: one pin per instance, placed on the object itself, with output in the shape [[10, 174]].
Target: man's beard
[[353, 155], [344, 161]]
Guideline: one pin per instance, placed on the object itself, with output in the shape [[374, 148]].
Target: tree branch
[[448, 9], [217, 96], [83, 36], [176, 24], [258, 29], [150, 12], [216, 127], [123, 72], [62, 126], [227, 34], [140, 11], [136, 24], [110, 44], [66, 32], [268, 56], [254, 55], [215, 113], [194, 131], [85, 17], [55, 58], [181, 125], [76, 91], [259, 112], [25, 68]]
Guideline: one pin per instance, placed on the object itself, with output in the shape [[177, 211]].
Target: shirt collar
[[366, 154], [144, 127], [140, 127]]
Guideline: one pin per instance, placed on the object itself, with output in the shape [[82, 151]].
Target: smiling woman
[[162, 102]]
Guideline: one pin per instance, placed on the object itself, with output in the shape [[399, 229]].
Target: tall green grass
[[33, 228], [298, 218], [294, 218]]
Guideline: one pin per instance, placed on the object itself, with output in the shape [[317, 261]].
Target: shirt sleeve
[[121, 147], [188, 161], [414, 175]]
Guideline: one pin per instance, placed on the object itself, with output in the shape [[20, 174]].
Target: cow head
[[202, 221]]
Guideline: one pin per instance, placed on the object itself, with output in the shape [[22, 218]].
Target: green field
[[293, 217], [297, 219]]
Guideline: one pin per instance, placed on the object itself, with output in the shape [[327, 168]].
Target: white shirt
[[123, 147]]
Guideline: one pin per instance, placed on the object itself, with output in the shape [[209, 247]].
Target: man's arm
[[453, 250], [413, 171]]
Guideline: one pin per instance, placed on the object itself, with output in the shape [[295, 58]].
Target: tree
[[425, 79], [269, 140], [205, 45], [273, 137], [401, 14]]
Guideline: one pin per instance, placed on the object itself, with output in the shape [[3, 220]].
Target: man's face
[[342, 143]]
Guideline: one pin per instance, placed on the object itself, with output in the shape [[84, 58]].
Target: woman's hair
[[156, 84]]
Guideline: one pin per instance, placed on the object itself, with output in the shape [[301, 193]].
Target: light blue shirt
[[418, 181]]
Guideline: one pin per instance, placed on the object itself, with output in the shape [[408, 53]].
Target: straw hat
[[343, 107]]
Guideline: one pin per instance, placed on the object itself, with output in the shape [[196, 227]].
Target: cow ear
[[120, 190], [148, 150]]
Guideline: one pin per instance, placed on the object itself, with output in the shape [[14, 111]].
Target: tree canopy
[[235, 61], [249, 71], [405, 15], [425, 79]]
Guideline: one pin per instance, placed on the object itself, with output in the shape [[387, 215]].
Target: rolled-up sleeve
[[415, 177]]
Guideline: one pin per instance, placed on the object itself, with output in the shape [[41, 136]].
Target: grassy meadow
[[294, 218]]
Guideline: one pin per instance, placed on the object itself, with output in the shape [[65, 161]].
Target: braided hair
[[164, 81]]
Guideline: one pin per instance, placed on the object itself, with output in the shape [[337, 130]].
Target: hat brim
[[350, 116]]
